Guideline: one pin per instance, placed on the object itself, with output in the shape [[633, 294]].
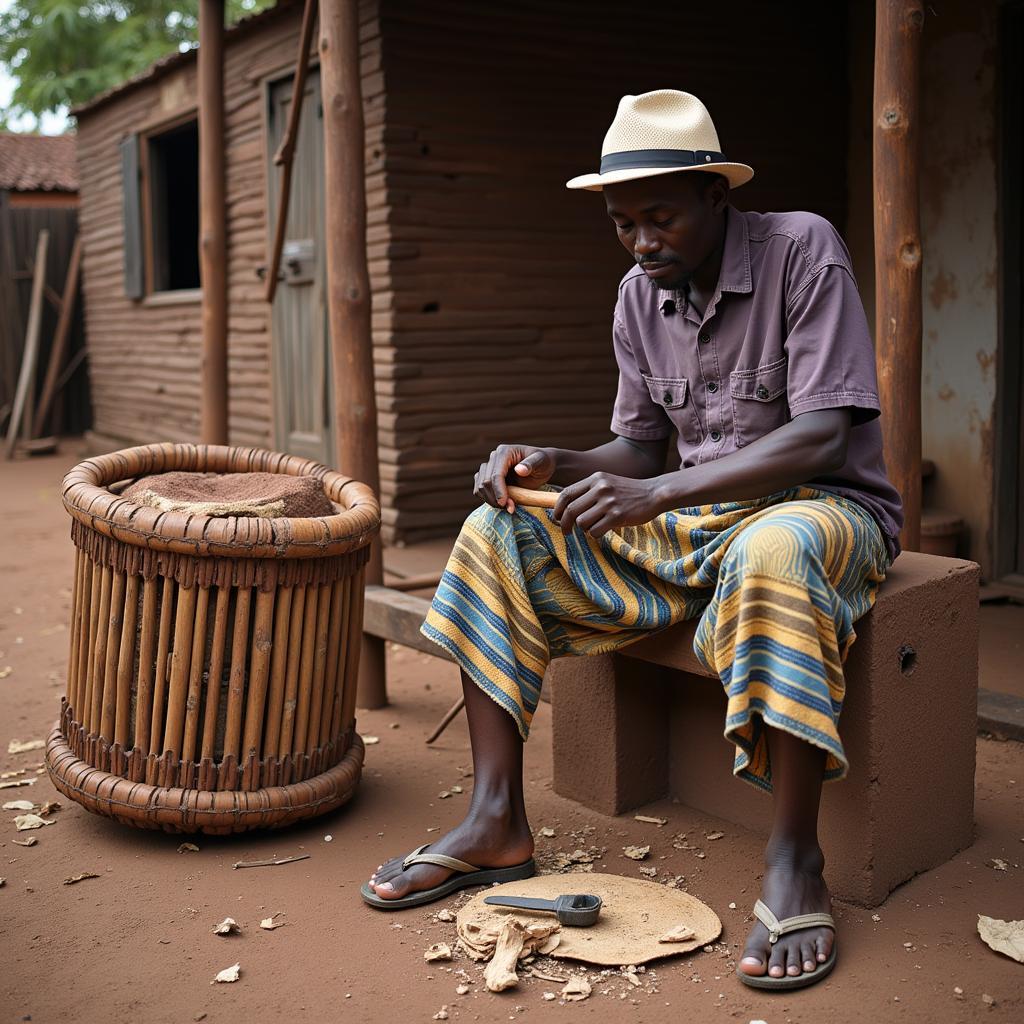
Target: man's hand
[[603, 502], [525, 465]]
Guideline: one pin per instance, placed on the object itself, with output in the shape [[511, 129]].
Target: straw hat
[[636, 917], [660, 132]]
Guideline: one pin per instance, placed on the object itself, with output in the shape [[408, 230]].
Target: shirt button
[[667, 397], [716, 436], [712, 386], [762, 392], [704, 337]]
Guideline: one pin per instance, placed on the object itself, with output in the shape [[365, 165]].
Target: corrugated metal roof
[[33, 163]]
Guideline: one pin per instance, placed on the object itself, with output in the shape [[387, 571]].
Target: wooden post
[[898, 25], [348, 285], [21, 416], [213, 414]]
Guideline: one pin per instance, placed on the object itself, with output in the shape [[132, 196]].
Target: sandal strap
[[777, 928], [439, 860]]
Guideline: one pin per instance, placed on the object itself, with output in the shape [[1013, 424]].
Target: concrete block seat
[[647, 722]]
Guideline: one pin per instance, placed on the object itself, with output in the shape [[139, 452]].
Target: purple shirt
[[784, 333]]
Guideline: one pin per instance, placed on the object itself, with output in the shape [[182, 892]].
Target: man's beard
[[678, 289]]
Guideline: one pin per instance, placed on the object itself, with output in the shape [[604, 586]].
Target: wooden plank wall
[[145, 355], [495, 321]]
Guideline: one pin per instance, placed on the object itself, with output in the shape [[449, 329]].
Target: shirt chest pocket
[[759, 403], [673, 395]]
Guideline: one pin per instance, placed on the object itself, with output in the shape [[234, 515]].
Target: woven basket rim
[[88, 500]]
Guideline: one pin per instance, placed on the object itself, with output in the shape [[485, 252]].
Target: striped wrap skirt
[[777, 584]]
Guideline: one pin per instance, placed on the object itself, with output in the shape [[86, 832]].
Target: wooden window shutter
[[134, 271]]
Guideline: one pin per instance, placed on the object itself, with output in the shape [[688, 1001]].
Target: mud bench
[[646, 723]]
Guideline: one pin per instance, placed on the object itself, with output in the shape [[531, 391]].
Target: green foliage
[[63, 53]]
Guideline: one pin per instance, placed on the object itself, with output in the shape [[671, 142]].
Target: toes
[[823, 944], [807, 955], [777, 961], [793, 967], [755, 953], [753, 965]]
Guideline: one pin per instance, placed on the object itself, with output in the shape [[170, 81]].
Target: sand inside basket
[[264, 495]]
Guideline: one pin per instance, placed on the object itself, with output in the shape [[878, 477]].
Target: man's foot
[[792, 885], [488, 840]]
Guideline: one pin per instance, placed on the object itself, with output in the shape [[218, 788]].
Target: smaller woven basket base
[[173, 809], [265, 495], [635, 914]]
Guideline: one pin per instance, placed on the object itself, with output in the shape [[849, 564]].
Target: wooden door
[[301, 384]]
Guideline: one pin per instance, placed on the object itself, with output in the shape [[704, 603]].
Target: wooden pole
[[213, 414], [60, 339], [285, 155], [348, 285], [23, 396], [898, 25]]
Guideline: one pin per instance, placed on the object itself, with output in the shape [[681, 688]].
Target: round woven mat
[[636, 913]]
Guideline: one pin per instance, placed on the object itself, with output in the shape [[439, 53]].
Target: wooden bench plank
[[397, 616]]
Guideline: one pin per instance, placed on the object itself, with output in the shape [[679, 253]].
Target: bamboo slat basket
[[211, 680]]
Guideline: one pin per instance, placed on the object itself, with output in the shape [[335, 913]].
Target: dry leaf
[[998, 864], [80, 878], [1006, 937], [456, 789], [547, 833], [442, 1014], [22, 822], [226, 927], [445, 915], [636, 852], [13, 774], [370, 740], [17, 747], [438, 951], [19, 805], [228, 974], [5, 671], [14, 783], [712, 836], [576, 989], [443, 795], [28, 841], [49, 807], [678, 933], [188, 848], [649, 820], [269, 924]]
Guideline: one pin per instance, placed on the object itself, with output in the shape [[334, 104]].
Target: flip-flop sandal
[[776, 929], [467, 875]]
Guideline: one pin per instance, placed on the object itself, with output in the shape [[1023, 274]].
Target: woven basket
[[212, 674]]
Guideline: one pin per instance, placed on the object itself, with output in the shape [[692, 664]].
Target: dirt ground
[[135, 944]]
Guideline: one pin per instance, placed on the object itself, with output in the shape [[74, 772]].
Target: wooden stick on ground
[[449, 716], [270, 862], [23, 396]]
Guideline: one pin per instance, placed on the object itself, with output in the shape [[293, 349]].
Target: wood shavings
[[547, 833], [442, 1014], [501, 971], [575, 989], [229, 974], [556, 979], [75, 879], [443, 795], [227, 926], [18, 747], [13, 774], [3, 882], [1006, 937], [369, 741], [998, 864], [438, 951], [649, 820], [678, 933], [712, 836], [14, 783], [5, 671], [456, 789], [549, 996], [633, 980], [269, 924], [636, 852], [49, 807], [649, 872], [19, 805], [27, 841], [270, 862], [188, 848], [23, 822], [462, 988], [444, 915]]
